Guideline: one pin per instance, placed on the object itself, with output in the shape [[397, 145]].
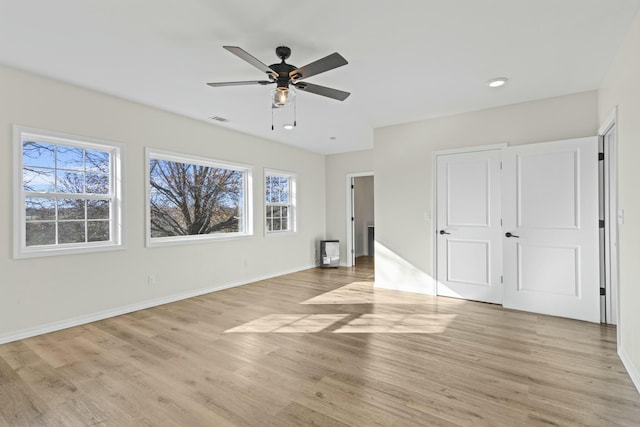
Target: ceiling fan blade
[[248, 82], [243, 54], [340, 95], [327, 63]]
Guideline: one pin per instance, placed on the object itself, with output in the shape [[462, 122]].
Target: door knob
[[443, 232], [507, 234]]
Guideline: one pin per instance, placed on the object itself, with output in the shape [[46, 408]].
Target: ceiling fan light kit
[[284, 75], [282, 97]]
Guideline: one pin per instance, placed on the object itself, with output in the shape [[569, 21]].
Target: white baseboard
[[632, 370], [93, 317]]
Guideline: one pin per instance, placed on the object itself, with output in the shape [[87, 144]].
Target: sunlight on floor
[[362, 323], [357, 293], [397, 324], [289, 323], [365, 293]]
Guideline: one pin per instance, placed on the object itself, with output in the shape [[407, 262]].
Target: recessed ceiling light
[[333, 138], [288, 126], [497, 82], [219, 119]]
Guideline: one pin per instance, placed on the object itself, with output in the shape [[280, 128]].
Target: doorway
[[360, 218]]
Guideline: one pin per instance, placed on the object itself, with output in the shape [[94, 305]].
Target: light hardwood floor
[[323, 348]]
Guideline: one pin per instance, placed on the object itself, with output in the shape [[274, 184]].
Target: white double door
[[519, 226]]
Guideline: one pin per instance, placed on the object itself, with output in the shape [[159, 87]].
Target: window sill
[[190, 240], [270, 234], [40, 252]]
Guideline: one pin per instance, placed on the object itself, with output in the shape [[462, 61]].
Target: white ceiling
[[408, 60]]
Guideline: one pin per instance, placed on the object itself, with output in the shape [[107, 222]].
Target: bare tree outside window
[[194, 199], [279, 202], [68, 194]]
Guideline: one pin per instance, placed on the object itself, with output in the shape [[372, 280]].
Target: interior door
[[550, 220], [469, 254]]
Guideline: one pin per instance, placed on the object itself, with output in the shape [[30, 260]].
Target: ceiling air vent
[[219, 119]]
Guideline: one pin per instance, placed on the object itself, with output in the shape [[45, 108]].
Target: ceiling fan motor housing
[[282, 69]]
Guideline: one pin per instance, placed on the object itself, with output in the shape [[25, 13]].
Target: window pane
[[97, 161], [276, 211], [276, 224], [188, 199], [70, 158], [40, 233], [97, 231], [38, 179], [269, 224], [70, 182], [40, 209], [38, 154], [97, 183], [71, 232], [267, 189], [285, 211], [97, 209], [71, 209]]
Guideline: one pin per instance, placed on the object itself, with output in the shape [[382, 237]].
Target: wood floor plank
[[320, 347]]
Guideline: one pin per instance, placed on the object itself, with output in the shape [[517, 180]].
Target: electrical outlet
[[151, 279]]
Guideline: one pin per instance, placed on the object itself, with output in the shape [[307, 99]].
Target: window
[[195, 199], [69, 197], [279, 202]]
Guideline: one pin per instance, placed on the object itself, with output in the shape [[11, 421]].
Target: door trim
[[611, 222], [349, 179], [434, 198]]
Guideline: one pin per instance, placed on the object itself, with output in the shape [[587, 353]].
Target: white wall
[[338, 166], [621, 88], [403, 173], [363, 210], [35, 293]]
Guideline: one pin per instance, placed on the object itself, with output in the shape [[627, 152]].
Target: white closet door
[[550, 212], [468, 234]]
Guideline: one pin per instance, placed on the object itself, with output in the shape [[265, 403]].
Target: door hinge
[[600, 156], [352, 187], [352, 218], [501, 279], [601, 223], [500, 165], [603, 291], [501, 222]]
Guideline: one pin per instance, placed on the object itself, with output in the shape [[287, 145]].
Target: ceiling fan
[[285, 75]]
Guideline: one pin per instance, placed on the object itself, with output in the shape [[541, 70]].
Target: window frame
[[292, 207], [247, 208], [116, 194]]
